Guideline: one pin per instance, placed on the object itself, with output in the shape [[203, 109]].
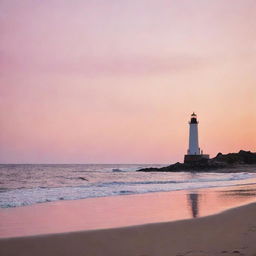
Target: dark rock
[[219, 154], [221, 161], [242, 157]]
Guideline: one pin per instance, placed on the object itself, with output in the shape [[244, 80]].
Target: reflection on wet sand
[[193, 201], [241, 192], [210, 201], [121, 211]]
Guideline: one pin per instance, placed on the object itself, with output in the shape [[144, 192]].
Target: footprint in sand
[[196, 253], [234, 252], [202, 253], [252, 229]]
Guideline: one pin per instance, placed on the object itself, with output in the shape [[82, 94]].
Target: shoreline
[[122, 211], [231, 232], [203, 187], [179, 167]]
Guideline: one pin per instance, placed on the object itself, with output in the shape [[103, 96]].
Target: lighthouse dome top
[[193, 119]]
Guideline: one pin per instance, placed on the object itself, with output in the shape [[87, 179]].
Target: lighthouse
[[193, 136], [194, 152]]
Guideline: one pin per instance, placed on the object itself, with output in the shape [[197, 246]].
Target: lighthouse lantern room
[[194, 153]]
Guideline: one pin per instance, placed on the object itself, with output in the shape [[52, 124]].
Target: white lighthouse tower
[[193, 136], [194, 153]]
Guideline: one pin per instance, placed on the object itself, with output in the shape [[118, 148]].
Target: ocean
[[22, 185]]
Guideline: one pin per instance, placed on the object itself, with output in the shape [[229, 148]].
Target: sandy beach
[[232, 232], [127, 128], [217, 221]]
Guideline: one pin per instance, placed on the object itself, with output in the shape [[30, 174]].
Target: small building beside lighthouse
[[194, 152]]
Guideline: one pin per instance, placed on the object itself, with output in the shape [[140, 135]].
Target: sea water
[[22, 185]]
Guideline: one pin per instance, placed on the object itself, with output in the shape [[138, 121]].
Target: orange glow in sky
[[116, 81]]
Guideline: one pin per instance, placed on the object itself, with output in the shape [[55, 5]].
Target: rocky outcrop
[[242, 157], [221, 161]]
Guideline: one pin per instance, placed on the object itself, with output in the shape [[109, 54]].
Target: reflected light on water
[[193, 202], [120, 211]]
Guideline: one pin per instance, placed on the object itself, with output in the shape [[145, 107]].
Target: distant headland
[[196, 160], [221, 162]]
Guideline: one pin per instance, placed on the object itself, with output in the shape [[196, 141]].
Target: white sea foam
[[30, 184]]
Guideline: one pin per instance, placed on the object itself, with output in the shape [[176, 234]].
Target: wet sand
[[230, 233], [121, 225]]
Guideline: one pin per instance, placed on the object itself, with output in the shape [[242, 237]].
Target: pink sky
[[112, 81]]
